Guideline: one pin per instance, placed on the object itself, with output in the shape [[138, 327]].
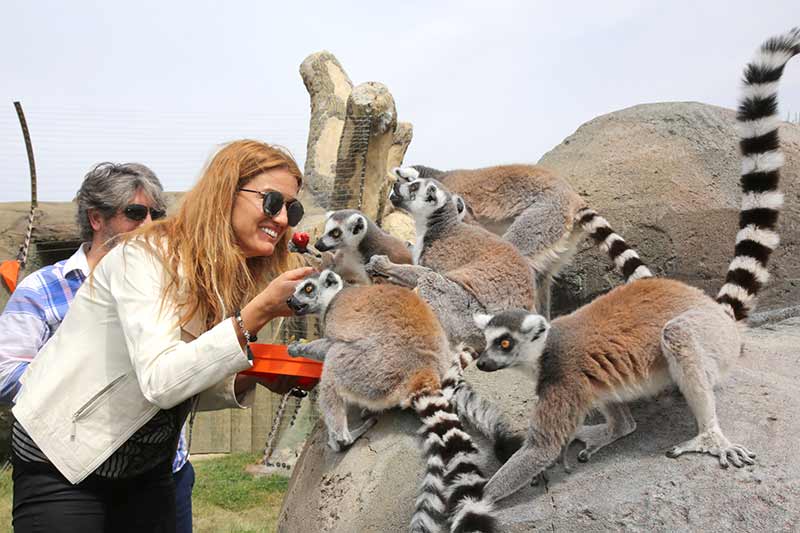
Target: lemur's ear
[[329, 214], [359, 224], [534, 324], [461, 206], [430, 194], [481, 320], [405, 173], [331, 278]]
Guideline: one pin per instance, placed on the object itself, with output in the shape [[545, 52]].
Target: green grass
[[225, 498]]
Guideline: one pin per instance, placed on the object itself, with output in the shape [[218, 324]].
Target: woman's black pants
[[44, 501]]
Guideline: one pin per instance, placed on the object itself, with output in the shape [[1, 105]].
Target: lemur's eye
[[336, 233], [505, 344], [414, 187], [308, 289]]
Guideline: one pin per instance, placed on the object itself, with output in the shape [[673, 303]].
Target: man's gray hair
[[109, 187]]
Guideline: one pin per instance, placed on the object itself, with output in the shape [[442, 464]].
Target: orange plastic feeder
[[270, 361]]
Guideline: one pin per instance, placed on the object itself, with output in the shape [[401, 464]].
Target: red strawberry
[[300, 239]]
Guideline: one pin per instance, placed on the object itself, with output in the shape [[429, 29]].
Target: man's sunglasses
[[273, 203], [138, 212]]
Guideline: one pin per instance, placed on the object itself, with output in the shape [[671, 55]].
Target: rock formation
[[666, 176]]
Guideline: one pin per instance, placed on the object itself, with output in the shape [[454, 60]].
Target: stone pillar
[[328, 88], [364, 147]]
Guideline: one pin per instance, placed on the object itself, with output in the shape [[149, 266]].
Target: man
[[113, 199]]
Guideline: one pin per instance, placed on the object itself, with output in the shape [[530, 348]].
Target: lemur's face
[[343, 229], [314, 294], [419, 196], [513, 338]]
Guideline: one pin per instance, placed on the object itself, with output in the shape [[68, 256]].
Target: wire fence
[[175, 144]]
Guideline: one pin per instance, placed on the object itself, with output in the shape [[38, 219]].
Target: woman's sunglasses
[[138, 212], [273, 203]]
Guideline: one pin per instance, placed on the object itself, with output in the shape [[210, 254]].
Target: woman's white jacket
[[118, 357]]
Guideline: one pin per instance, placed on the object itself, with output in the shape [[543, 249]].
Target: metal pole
[[29, 147], [23, 251]]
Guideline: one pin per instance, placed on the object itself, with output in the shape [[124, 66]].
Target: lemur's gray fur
[[538, 212], [459, 269], [650, 334], [383, 347]]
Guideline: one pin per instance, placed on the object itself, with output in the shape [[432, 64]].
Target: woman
[[156, 330]]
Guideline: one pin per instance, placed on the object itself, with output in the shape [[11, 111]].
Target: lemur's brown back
[[504, 191], [490, 268], [359, 312], [614, 344]]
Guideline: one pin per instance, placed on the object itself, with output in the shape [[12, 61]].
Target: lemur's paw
[[540, 478], [295, 349], [466, 355], [713, 442], [339, 444], [378, 265], [594, 439], [405, 173]]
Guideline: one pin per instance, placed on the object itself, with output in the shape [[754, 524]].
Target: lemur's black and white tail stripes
[[444, 440], [478, 412], [624, 257], [757, 121], [436, 413], [488, 420]]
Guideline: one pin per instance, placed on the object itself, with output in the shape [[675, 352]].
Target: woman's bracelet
[[248, 337]]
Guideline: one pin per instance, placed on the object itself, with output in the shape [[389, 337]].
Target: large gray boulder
[[630, 486], [666, 176]]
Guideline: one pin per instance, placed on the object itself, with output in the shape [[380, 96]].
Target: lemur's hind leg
[[334, 411], [619, 422], [540, 233], [692, 343]]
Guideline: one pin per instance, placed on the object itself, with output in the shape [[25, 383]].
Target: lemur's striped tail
[[758, 121], [488, 420], [479, 412], [624, 257], [443, 440], [468, 508], [430, 515]]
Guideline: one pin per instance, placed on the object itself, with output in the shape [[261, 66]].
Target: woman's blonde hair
[[207, 273]]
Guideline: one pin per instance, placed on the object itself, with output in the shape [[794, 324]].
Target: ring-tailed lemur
[[538, 212], [641, 337], [354, 239], [383, 347], [459, 269]]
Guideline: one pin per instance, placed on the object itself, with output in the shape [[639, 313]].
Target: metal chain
[[273, 432], [364, 158], [276, 423]]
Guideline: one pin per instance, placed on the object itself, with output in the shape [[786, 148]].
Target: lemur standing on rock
[[536, 211], [644, 336], [459, 269], [383, 347]]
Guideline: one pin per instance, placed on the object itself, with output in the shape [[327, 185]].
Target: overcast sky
[[163, 83]]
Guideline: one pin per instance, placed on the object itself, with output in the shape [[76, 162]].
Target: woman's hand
[[271, 302]]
